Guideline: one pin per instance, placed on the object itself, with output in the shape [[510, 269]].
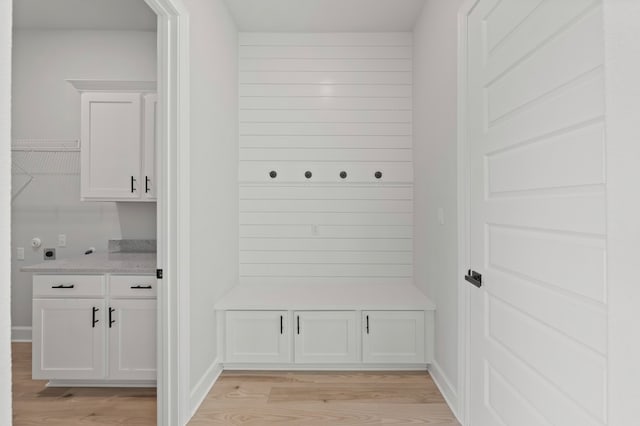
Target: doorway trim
[[464, 216], [172, 163]]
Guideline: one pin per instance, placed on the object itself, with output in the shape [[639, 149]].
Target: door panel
[[537, 225], [257, 336], [326, 337]]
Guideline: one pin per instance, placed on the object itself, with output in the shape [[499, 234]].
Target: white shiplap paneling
[[326, 103]]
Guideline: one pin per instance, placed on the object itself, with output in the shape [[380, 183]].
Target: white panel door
[[149, 158], [326, 337], [132, 339], [537, 224], [257, 336], [111, 146], [68, 339], [393, 337]]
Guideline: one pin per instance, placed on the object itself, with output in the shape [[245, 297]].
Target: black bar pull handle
[[281, 325], [474, 278], [367, 324], [111, 321], [140, 286], [133, 181], [63, 286], [298, 324], [94, 321], [146, 184]]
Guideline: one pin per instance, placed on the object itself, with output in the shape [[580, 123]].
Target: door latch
[[474, 278]]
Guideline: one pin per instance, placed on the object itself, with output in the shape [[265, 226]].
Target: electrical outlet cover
[[49, 254]]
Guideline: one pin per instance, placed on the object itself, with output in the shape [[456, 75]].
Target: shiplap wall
[[326, 103]]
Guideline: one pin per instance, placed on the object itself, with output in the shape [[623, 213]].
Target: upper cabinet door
[[150, 137], [111, 146]]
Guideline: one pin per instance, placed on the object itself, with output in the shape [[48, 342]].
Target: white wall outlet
[[440, 215], [62, 240], [20, 253]]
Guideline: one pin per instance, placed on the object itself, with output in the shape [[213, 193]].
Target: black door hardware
[[94, 320], [63, 286], [474, 278], [111, 321]]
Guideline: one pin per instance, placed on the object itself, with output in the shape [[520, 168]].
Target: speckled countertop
[[99, 263]]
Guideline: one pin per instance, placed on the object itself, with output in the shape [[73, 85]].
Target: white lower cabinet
[[258, 336], [68, 339], [326, 337], [396, 337], [83, 333], [132, 339]]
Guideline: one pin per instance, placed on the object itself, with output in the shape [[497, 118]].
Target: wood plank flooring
[[241, 398], [324, 398], [34, 404]]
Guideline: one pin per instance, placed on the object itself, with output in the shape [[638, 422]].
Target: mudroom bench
[[328, 327]]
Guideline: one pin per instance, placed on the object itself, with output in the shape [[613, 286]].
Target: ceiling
[[83, 15], [325, 15]]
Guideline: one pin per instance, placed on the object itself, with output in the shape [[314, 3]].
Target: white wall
[[326, 103], [45, 106], [435, 159], [622, 67], [5, 218], [214, 177]]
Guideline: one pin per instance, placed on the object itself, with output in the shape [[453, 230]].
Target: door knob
[[474, 278]]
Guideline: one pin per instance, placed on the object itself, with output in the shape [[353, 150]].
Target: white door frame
[[173, 211], [464, 325]]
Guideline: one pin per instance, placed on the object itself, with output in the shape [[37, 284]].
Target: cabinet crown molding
[[113, 85]]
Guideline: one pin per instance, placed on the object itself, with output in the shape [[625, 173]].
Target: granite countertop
[[99, 263]]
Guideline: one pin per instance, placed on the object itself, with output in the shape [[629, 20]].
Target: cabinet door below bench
[[393, 337], [326, 337], [257, 336]]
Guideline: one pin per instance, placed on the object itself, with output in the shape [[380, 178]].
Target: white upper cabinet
[[118, 133]]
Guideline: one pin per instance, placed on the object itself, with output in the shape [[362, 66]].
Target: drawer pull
[[111, 321], [63, 286], [281, 325], [94, 320], [141, 287], [298, 324], [367, 324]]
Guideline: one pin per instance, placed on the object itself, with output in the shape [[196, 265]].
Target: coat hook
[[308, 174], [273, 174], [343, 174], [378, 174]]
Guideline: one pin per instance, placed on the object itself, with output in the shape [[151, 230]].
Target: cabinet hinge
[[159, 274]]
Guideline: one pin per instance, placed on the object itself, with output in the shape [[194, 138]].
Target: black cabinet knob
[[273, 174], [308, 174], [343, 175], [378, 175]]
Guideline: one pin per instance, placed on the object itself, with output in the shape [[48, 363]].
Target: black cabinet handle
[[93, 317], [146, 184], [133, 180], [367, 324], [281, 325], [298, 324], [63, 286], [111, 321], [140, 286]]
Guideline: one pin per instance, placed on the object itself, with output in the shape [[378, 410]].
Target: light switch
[[62, 240], [20, 253], [440, 215]]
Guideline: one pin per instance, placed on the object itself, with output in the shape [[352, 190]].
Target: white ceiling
[[325, 15], [83, 15]]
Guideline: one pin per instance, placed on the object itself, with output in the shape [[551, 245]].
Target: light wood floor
[[34, 404], [327, 399], [241, 398]]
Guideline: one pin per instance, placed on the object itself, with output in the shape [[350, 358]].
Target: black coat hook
[[378, 175], [273, 174], [343, 174], [308, 174]]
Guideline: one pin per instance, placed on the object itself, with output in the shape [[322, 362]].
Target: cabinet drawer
[[144, 286], [68, 285]]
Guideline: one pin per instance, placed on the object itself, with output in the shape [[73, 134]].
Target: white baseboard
[[21, 334], [204, 385], [446, 388]]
